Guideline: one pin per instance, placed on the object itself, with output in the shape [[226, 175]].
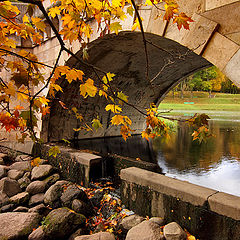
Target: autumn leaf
[[96, 124], [35, 162], [54, 11], [115, 27], [122, 97], [108, 77], [182, 20], [54, 151], [88, 88], [38, 22], [114, 108], [63, 105], [117, 120]]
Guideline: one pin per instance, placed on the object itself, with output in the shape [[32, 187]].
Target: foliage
[[27, 73]]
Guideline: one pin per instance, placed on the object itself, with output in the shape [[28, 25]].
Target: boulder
[[173, 231], [49, 181], [53, 194], [79, 232], [24, 181], [9, 186], [23, 157], [21, 209], [36, 187], [70, 193], [4, 157], [21, 166], [4, 199], [41, 171], [18, 225], [131, 221], [36, 199], [146, 230], [37, 234], [15, 174], [62, 222], [158, 220], [40, 209], [3, 172], [7, 208], [97, 236], [20, 198]]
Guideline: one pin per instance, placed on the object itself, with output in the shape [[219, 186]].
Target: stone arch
[[123, 55]]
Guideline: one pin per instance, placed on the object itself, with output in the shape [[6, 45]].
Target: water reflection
[[214, 164]]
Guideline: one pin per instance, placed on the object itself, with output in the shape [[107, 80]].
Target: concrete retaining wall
[[206, 213]]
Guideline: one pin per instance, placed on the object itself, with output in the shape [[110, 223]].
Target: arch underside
[[123, 55]]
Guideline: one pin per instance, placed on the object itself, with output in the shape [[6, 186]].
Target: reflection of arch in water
[[123, 55]]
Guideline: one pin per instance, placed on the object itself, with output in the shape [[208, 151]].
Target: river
[[213, 164]]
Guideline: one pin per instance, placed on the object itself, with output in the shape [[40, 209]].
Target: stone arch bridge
[[214, 38]]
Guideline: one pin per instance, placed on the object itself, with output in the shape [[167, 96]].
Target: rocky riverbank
[[36, 204]]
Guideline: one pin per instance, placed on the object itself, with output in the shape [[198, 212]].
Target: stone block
[[225, 204], [156, 23], [185, 191], [220, 50], [200, 32], [212, 4], [232, 70], [227, 24]]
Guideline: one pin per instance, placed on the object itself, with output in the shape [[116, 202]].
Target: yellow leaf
[[114, 108], [108, 77], [96, 124], [53, 151], [22, 96], [122, 97], [115, 27], [54, 11], [25, 19], [88, 88], [10, 90], [117, 120], [38, 22]]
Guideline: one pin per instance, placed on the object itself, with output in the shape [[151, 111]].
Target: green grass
[[221, 102]]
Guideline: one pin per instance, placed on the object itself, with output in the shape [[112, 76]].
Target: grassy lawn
[[221, 102]]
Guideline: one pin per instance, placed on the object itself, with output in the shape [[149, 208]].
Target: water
[[214, 164]]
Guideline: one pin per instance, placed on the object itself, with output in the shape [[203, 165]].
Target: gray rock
[[146, 230], [78, 206], [15, 174], [49, 181], [4, 199], [100, 235], [20, 198], [21, 166], [21, 209], [40, 209], [36, 199], [21, 158], [158, 220], [7, 208], [53, 194], [9, 186], [77, 233], [70, 193], [24, 181], [62, 222], [37, 234], [173, 231], [41, 171], [36, 187], [131, 221], [3, 172], [17, 225]]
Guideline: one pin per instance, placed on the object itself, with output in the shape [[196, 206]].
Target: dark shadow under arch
[[123, 55]]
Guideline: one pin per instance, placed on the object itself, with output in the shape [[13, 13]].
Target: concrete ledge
[[225, 204], [206, 213], [185, 191], [73, 164]]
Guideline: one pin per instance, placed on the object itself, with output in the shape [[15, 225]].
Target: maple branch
[[144, 40], [24, 58]]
